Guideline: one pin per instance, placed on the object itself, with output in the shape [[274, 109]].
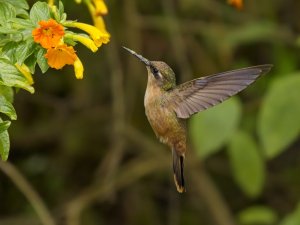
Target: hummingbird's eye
[[155, 72]]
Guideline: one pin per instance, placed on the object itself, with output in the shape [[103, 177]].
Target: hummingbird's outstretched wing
[[202, 93]]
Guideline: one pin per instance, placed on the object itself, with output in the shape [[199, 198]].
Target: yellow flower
[[48, 34], [104, 39], [26, 72], [100, 6], [99, 23], [50, 2], [236, 3], [99, 37], [78, 69], [84, 40], [60, 56], [98, 20]]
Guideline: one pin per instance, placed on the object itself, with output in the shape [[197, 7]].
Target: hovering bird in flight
[[168, 105]]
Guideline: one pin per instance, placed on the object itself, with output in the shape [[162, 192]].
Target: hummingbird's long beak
[[144, 60]]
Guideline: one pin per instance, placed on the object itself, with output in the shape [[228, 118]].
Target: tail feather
[[178, 165]]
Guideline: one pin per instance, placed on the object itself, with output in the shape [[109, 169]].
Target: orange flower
[[236, 3], [48, 34], [60, 56]]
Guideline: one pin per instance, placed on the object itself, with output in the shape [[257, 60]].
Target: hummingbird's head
[[162, 74], [158, 72]]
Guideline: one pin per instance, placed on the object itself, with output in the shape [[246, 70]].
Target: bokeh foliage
[[88, 150]]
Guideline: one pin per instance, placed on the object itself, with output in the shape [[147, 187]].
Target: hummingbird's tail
[[178, 164]]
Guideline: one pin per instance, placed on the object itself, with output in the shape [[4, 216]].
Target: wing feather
[[202, 93]]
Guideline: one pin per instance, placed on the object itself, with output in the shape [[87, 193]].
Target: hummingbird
[[168, 106]]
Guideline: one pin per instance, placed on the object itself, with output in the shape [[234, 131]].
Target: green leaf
[[246, 163], [42, 61], [17, 3], [252, 32], [19, 51], [62, 14], [211, 129], [7, 12], [11, 76], [285, 60], [31, 63], [13, 35], [7, 92], [39, 11], [293, 218], [24, 50], [257, 215], [23, 23], [9, 49], [59, 13], [6, 30], [277, 126], [4, 126], [22, 13], [4, 144], [21, 7], [7, 108], [61, 8]]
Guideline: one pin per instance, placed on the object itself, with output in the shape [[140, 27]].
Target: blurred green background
[[86, 147]]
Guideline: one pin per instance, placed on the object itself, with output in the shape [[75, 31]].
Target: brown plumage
[[168, 106]]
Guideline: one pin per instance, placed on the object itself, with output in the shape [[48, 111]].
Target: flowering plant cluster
[[40, 36]]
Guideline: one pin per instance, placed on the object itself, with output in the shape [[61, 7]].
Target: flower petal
[[60, 56], [97, 35], [78, 69], [84, 40], [48, 34], [100, 6]]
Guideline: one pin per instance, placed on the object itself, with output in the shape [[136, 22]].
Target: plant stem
[[28, 191]]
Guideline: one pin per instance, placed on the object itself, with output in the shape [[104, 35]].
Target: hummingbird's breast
[[162, 118]]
